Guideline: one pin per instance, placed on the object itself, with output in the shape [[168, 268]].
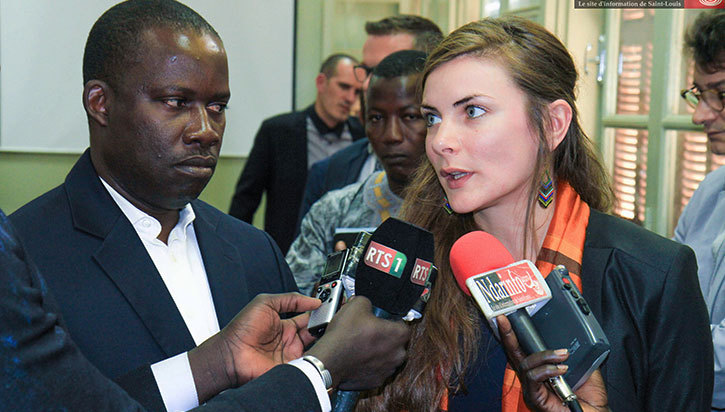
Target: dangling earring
[[546, 190], [447, 206]]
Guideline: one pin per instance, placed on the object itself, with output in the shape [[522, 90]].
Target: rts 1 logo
[[385, 259], [421, 272]]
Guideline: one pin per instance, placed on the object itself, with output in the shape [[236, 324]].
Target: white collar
[[145, 224]]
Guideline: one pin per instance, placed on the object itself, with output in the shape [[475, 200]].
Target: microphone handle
[[345, 401], [526, 332], [531, 342]]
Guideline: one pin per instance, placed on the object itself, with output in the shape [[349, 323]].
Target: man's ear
[[559, 121], [97, 96], [320, 82]]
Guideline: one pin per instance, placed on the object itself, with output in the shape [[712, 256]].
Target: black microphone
[[393, 273]]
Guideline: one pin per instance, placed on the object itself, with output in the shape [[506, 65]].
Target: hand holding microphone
[[535, 371], [360, 350], [508, 292], [394, 271], [254, 341]]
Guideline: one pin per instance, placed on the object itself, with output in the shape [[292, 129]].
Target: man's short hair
[[329, 66], [401, 63], [706, 40], [426, 33], [113, 41]]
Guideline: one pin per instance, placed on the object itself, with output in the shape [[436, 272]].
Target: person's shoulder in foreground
[[42, 368]]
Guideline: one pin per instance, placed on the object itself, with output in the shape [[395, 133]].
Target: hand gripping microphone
[[393, 273], [564, 321], [484, 268]]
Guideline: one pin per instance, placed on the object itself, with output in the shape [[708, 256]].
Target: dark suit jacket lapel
[[300, 149], [124, 259], [223, 265], [350, 161], [595, 261]]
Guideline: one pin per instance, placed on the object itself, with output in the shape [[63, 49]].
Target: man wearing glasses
[[391, 34], [702, 224]]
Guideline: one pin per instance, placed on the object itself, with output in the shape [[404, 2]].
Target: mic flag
[[484, 268], [395, 267], [393, 273]]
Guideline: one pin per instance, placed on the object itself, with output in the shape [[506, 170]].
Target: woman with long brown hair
[[507, 155]]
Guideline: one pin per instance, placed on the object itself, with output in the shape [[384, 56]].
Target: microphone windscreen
[[395, 266], [477, 252]]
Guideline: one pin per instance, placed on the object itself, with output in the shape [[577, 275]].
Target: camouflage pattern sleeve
[[308, 253]]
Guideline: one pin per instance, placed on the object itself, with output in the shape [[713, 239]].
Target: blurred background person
[[702, 223], [287, 145], [356, 162]]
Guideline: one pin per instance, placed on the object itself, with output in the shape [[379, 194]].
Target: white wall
[[41, 83]]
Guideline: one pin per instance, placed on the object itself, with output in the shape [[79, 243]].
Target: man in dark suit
[[287, 145], [337, 171], [142, 271], [44, 370]]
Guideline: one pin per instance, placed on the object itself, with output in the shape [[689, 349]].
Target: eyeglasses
[[715, 99], [362, 72]]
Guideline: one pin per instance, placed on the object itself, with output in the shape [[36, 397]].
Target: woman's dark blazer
[[644, 291]]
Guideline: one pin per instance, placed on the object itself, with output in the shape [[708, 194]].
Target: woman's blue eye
[[474, 111], [431, 119]]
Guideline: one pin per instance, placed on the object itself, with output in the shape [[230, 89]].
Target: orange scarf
[[563, 245]]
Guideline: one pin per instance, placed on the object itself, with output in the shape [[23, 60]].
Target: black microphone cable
[[574, 405]]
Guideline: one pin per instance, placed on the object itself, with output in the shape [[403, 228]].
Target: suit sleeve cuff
[[314, 376], [176, 383]]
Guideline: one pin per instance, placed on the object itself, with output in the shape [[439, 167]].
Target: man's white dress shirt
[[181, 267]]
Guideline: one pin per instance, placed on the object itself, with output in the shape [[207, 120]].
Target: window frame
[[662, 122]]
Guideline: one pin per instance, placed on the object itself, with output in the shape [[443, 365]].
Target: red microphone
[[477, 252], [485, 269]]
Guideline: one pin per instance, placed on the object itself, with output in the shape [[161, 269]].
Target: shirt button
[[146, 223]]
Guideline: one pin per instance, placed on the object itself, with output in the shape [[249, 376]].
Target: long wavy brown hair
[[447, 338]]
